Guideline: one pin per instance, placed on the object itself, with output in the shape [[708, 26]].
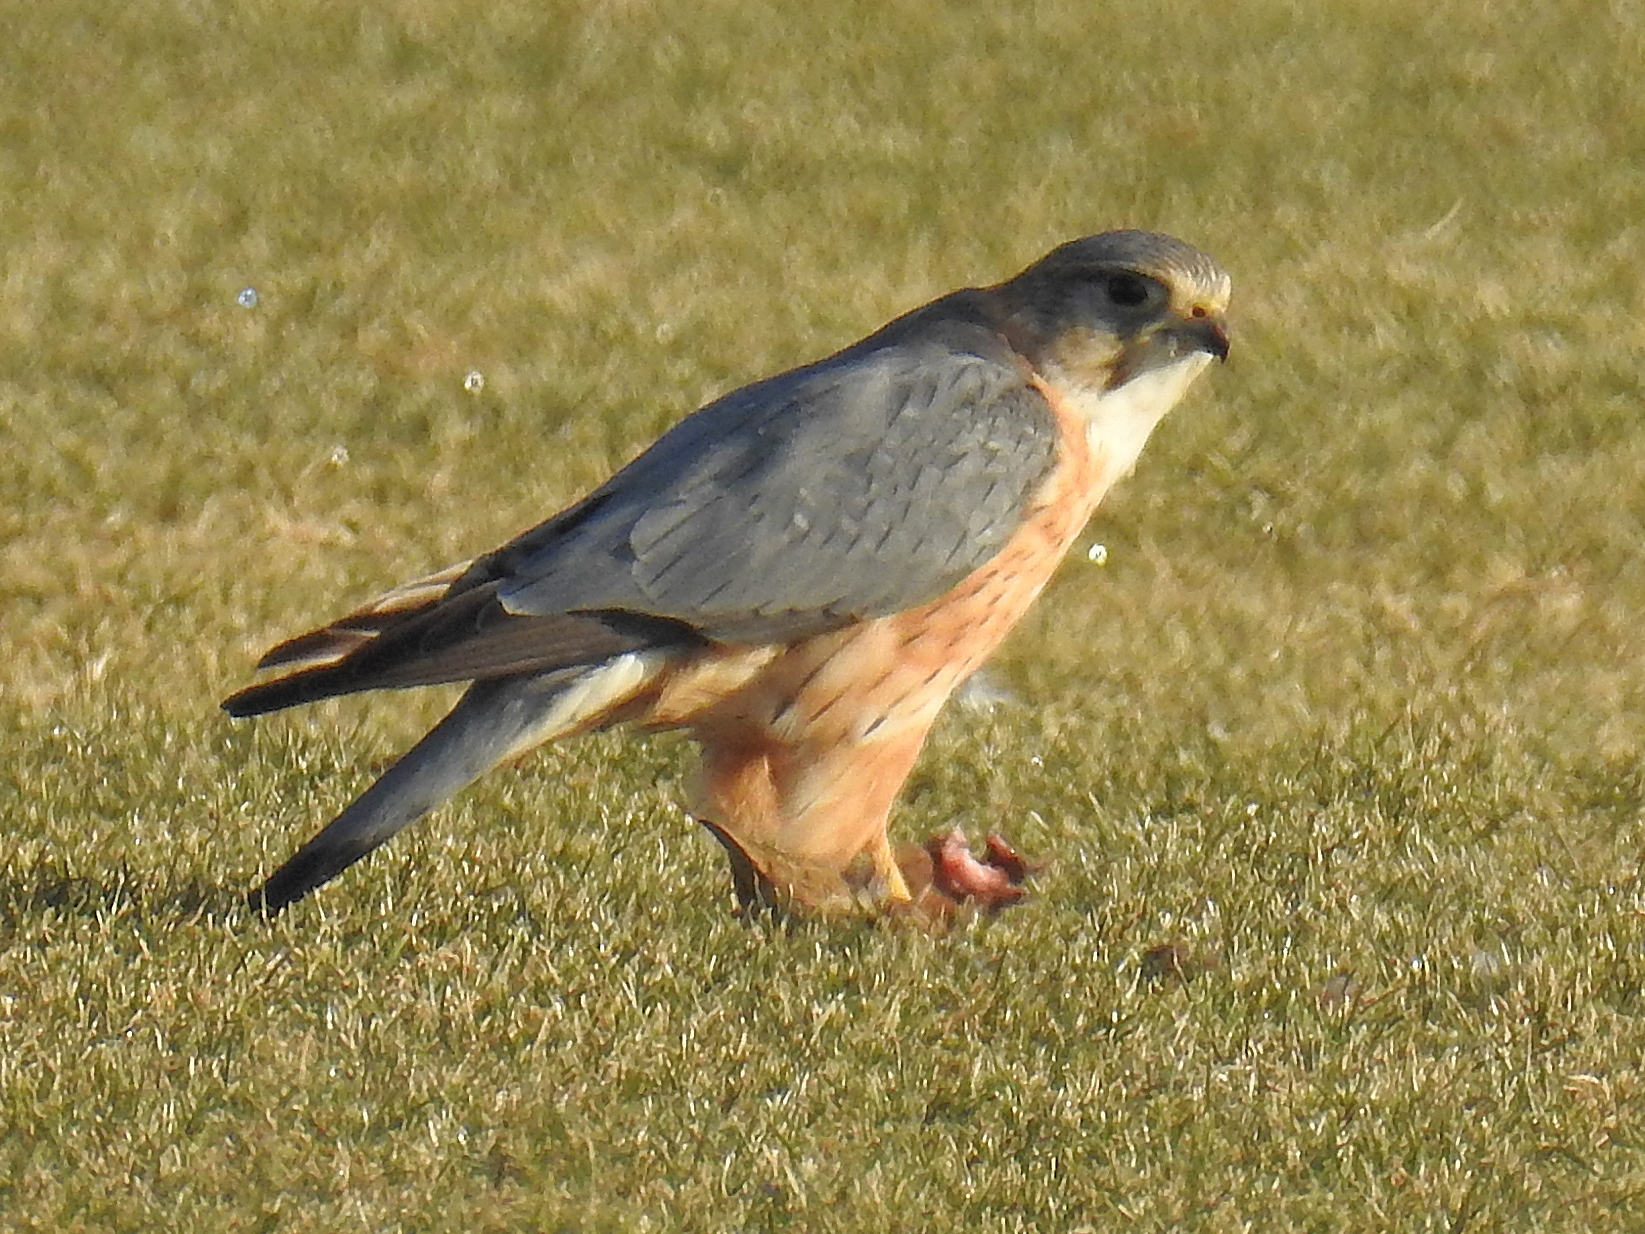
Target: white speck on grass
[[474, 382], [339, 456], [1097, 554], [247, 298]]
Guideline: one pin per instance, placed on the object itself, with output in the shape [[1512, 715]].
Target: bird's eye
[[1130, 290]]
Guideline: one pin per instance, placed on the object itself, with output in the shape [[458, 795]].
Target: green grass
[[1338, 754]]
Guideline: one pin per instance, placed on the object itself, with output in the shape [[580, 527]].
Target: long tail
[[494, 721]]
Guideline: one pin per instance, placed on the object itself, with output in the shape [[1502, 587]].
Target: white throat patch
[[1118, 422]]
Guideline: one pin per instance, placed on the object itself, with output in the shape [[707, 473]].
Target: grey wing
[[865, 484], [860, 486]]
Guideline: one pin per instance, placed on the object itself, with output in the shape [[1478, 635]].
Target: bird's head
[[1101, 311]]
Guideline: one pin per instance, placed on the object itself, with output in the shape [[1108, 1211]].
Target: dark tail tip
[[259, 904], [306, 870], [272, 898], [263, 698]]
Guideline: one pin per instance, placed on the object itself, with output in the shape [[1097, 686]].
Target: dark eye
[[1130, 290]]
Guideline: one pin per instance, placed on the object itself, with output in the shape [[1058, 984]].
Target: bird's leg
[[805, 827], [930, 884], [766, 880], [889, 872], [738, 799]]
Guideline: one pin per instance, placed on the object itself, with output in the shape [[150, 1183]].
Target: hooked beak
[[1207, 334], [1169, 343]]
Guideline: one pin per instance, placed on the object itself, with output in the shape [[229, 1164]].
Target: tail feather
[[469, 637], [493, 722], [341, 638]]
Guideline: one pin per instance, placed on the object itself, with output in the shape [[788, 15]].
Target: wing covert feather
[[865, 484]]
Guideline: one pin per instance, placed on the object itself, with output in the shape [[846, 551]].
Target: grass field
[[1338, 753]]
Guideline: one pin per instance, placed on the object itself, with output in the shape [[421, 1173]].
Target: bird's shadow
[[118, 894]]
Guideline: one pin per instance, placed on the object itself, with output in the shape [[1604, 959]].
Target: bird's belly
[[878, 679]]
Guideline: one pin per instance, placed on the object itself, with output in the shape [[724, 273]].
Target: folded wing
[[865, 484]]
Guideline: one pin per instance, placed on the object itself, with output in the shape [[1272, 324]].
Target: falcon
[[798, 575]]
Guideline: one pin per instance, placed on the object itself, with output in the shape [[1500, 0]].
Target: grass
[[1338, 753]]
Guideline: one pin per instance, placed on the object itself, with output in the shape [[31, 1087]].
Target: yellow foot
[[889, 871]]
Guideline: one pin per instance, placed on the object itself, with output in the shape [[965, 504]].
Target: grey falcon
[[798, 574]]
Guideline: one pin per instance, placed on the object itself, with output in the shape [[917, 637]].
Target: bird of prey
[[798, 574]]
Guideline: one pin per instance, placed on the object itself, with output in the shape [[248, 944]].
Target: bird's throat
[[1118, 421]]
